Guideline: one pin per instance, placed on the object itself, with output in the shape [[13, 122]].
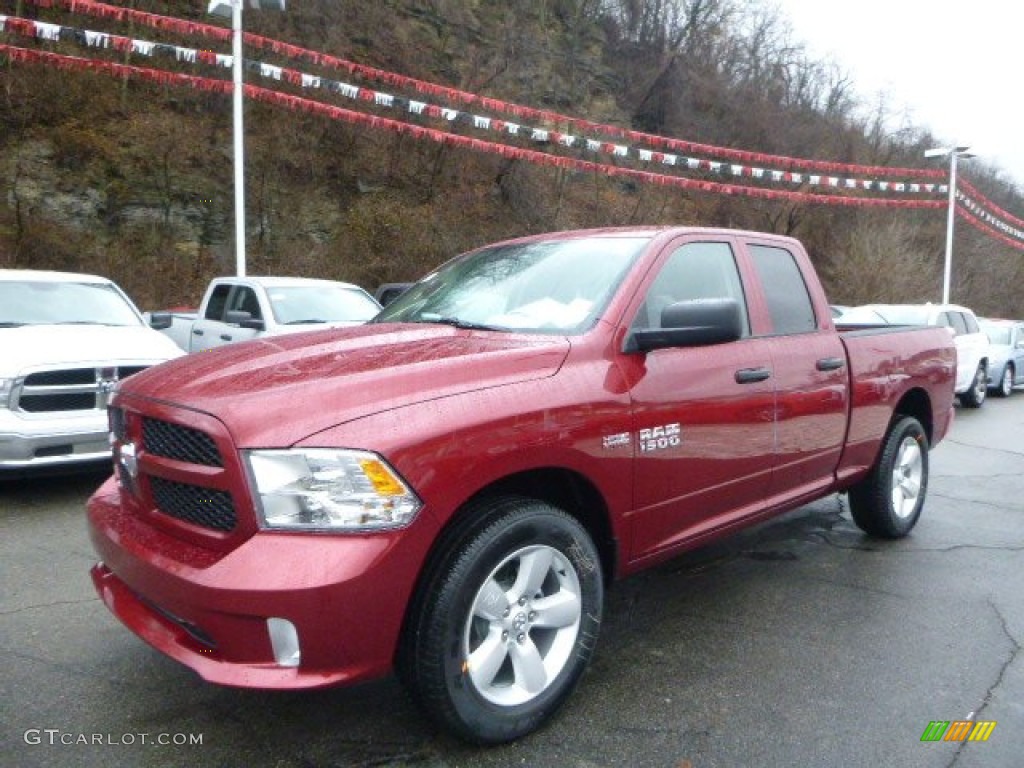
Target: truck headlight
[[323, 489]]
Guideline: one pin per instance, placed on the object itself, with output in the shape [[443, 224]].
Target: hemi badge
[[614, 441]]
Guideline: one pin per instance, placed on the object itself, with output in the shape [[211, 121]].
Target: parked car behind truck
[[66, 340], [241, 308], [449, 489], [1006, 354]]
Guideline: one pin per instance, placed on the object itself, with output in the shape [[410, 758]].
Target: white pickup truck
[[65, 341], [241, 308]]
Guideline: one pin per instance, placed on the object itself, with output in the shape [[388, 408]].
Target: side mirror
[[694, 323], [160, 321], [243, 319], [388, 292]]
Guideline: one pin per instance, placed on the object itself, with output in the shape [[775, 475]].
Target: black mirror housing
[[160, 321], [243, 319], [695, 323]]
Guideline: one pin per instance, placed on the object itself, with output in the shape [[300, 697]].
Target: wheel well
[[570, 492], [916, 403]]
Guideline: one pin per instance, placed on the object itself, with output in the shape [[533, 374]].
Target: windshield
[[29, 302], [560, 286], [297, 304], [997, 334], [896, 315]]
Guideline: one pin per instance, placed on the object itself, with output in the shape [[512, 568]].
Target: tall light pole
[[233, 8], [953, 152]]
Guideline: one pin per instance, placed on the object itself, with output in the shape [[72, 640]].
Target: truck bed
[[883, 361]]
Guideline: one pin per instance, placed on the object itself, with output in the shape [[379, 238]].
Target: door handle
[[225, 337], [830, 363], [197, 332], [752, 375]]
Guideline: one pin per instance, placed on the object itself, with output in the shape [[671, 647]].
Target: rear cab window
[[218, 302], [957, 322], [789, 302]]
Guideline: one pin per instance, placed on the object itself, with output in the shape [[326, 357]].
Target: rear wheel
[[975, 396], [887, 503], [503, 634], [1006, 382]]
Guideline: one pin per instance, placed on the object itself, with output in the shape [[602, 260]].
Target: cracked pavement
[[797, 643]]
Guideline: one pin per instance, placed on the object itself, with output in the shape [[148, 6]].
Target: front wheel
[[975, 396], [887, 503], [508, 628]]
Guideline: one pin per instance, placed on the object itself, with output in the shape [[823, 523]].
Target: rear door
[[971, 346], [702, 415], [973, 338], [809, 368]]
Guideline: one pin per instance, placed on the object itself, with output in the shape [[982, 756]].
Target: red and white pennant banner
[[298, 104], [972, 212], [91, 38], [722, 154], [974, 207]]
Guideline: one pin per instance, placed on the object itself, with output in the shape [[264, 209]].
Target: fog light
[[284, 639]]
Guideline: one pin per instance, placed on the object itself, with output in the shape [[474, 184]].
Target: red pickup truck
[[448, 490]]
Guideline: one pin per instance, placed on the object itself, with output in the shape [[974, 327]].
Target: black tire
[[975, 396], [1005, 387], [887, 503], [465, 613]]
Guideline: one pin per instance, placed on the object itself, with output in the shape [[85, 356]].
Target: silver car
[[1006, 354]]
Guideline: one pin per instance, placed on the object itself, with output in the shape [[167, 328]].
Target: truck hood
[[278, 390], [27, 347]]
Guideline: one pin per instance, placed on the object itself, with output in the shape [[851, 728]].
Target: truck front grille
[[174, 441], [60, 402], [61, 378], [69, 389], [194, 504], [176, 466]]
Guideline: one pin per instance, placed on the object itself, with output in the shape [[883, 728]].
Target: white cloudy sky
[[956, 67]]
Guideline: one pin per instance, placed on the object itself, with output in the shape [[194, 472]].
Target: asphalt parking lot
[[798, 643]]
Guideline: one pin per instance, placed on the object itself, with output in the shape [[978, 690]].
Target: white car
[[66, 340], [972, 345]]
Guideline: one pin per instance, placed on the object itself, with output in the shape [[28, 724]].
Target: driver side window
[[693, 271], [244, 298]]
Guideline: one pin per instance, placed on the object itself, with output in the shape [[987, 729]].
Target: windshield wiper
[[304, 322], [10, 324], [455, 322]]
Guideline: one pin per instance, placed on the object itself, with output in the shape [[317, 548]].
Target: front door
[[703, 416]]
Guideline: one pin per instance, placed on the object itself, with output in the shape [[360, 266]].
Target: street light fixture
[[233, 8], [953, 152]]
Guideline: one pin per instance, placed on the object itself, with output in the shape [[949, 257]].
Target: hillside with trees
[[133, 180]]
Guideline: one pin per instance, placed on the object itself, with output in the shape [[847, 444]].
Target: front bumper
[[345, 596], [71, 438]]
